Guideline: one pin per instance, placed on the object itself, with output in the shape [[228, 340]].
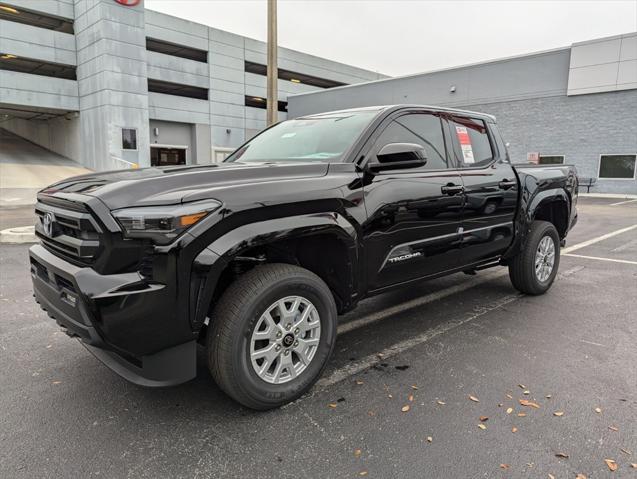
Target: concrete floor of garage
[[63, 414]]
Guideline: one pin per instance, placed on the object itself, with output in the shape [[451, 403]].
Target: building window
[[294, 77], [177, 89], [551, 159], [167, 48], [35, 18], [129, 139], [260, 102], [15, 63], [617, 167]]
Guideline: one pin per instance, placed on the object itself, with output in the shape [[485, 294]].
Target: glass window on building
[[618, 167], [129, 139], [551, 159]]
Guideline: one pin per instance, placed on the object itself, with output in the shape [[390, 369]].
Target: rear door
[[414, 215], [490, 185]]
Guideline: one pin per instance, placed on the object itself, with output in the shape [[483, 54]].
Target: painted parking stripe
[[597, 239], [623, 202], [612, 260], [367, 362]]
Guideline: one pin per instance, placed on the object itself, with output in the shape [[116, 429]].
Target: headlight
[[162, 224]]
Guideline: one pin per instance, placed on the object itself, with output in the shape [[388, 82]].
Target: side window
[[425, 130], [475, 148]]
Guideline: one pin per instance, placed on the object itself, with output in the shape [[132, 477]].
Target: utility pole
[[272, 100]]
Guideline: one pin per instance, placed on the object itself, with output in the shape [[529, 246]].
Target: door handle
[[451, 189], [506, 184]]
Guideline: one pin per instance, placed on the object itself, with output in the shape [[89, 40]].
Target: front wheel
[[534, 268], [271, 335]]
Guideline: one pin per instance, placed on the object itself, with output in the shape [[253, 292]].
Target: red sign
[[128, 3]]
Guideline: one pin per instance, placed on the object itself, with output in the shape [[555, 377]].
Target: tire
[[241, 310], [522, 268]]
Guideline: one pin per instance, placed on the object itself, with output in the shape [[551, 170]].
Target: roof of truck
[[387, 108]]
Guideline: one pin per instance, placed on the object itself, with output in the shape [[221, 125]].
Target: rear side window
[[420, 128], [473, 140]]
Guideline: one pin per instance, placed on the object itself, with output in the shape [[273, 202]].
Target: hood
[[181, 184]]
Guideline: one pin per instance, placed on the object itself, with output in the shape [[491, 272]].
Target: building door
[[160, 156]]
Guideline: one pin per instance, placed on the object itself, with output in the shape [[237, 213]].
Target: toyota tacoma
[[254, 258]]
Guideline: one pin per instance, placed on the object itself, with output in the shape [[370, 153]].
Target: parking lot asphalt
[[462, 352]]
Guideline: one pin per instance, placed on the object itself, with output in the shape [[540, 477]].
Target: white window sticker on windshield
[[288, 135], [465, 144]]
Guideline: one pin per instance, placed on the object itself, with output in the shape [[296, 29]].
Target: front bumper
[[128, 324]]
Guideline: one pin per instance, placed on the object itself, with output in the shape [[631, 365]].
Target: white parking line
[[623, 202], [367, 362], [443, 293], [612, 260], [597, 239]]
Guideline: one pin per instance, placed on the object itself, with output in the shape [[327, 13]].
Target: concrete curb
[[18, 235]]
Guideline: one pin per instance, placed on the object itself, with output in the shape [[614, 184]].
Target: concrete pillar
[[112, 82]]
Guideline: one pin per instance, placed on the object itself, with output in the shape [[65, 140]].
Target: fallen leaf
[[500, 405], [598, 410], [390, 396], [413, 386], [57, 382], [580, 476], [509, 396], [613, 428], [474, 399], [359, 382], [521, 414], [509, 410], [357, 453], [548, 396], [442, 403], [532, 404], [612, 465], [482, 426], [561, 454], [430, 439], [527, 392], [558, 413], [504, 466], [551, 476], [405, 408], [362, 473], [515, 429], [522, 386], [371, 413], [484, 418], [410, 398], [633, 465], [332, 405], [625, 451]]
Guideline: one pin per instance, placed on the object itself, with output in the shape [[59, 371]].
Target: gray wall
[[531, 76], [579, 127]]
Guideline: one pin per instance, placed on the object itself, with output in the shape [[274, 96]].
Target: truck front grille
[[68, 230]]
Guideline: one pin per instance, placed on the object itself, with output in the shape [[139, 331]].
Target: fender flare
[[212, 260]]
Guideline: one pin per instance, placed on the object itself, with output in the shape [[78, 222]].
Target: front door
[[491, 189], [414, 215]]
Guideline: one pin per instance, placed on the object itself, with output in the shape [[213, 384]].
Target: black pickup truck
[[255, 258]]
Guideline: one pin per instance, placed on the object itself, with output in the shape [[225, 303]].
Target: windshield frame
[[344, 157]]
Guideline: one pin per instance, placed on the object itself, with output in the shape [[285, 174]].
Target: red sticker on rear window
[[463, 135]]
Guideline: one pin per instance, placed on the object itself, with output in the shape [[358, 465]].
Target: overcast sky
[[398, 37]]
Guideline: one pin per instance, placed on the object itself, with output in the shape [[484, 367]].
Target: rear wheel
[[534, 269], [272, 334]]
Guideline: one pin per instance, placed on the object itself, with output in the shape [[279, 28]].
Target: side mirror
[[395, 156]]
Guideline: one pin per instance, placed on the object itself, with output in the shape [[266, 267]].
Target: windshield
[[319, 138]]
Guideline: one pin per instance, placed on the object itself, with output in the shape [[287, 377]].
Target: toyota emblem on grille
[[47, 223]]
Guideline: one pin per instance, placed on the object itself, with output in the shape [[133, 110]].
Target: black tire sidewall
[[247, 379]]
